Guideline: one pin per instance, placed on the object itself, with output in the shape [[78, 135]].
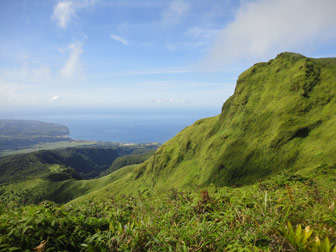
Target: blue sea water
[[124, 127]]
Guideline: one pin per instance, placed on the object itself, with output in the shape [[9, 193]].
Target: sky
[[148, 54]]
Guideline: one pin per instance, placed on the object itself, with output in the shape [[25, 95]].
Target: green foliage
[[64, 174], [211, 219], [59, 175], [137, 157], [299, 238]]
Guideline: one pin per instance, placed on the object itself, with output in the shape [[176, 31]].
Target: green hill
[[280, 117]]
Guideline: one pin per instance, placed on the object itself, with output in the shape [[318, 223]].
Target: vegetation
[[48, 146], [137, 157], [281, 116], [261, 176], [249, 218], [62, 174]]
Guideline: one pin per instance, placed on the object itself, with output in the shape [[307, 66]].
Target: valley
[[64, 174]]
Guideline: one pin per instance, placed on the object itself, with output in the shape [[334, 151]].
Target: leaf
[[111, 227], [290, 232], [326, 245], [306, 234], [298, 235], [185, 249]]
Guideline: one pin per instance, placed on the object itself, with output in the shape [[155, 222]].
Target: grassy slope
[[281, 116]]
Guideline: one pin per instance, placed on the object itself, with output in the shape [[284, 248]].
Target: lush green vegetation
[[261, 176], [62, 174], [137, 157], [249, 218]]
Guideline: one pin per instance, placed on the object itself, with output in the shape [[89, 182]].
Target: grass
[[249, 218]]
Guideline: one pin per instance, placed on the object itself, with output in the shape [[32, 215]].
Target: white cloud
[[176, 11], [72, 65], [263, 28], [63, 12], [119, 39], [54, 98]]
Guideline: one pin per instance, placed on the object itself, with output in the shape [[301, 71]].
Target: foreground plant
[[299, 239], [213, 219]]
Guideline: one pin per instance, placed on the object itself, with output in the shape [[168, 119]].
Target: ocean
[[123, 127]]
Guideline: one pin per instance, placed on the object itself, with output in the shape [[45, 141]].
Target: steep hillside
[[281, 116]]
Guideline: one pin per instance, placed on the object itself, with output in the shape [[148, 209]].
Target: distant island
[[22, 134]]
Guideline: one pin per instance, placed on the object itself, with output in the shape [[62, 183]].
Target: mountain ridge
[[278, 118]]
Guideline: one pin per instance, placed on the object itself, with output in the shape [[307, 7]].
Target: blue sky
[[147, 54]]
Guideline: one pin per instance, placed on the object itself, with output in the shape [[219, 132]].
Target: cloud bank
[[263, 28]]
